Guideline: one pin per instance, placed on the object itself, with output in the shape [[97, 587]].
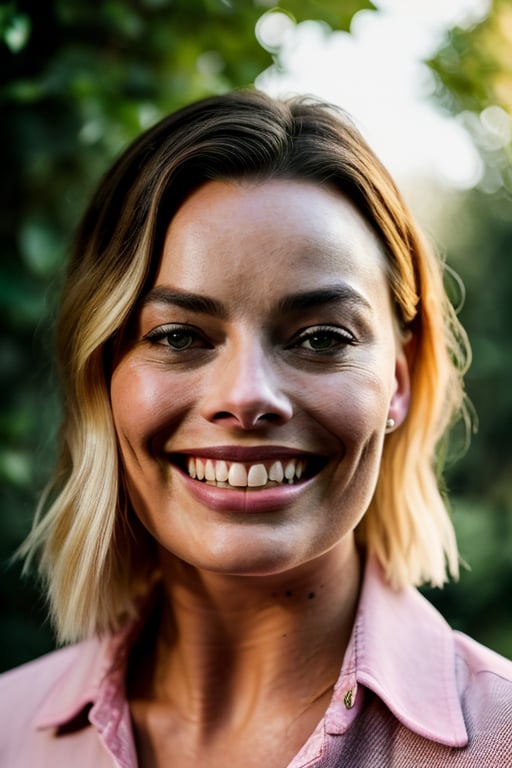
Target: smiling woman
[[267, 377], [258, 361]]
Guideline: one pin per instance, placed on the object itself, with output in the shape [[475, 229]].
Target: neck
[[230, 645]]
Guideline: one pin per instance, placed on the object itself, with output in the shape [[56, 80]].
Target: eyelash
[[340, 338], [158, 335]]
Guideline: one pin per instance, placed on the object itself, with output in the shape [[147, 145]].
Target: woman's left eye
[[323, 339]]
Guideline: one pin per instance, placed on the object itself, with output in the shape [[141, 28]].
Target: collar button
[[348, 699]]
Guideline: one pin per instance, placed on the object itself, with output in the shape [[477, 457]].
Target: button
[[348, 698]]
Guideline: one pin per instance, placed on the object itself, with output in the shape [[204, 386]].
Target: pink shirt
[[411, 693]]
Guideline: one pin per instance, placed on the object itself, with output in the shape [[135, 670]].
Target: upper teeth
[[240, 475]]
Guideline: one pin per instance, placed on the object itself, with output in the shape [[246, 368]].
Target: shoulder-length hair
[[94, 555]]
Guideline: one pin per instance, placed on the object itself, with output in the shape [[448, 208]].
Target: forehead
[[269, 237]]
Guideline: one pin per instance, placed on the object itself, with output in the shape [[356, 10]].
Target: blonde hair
[[94, 555]]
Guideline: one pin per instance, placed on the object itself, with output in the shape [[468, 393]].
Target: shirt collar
[[95, 676], [403, 651]]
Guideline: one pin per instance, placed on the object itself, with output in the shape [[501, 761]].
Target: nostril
[[249, 419], [222, 415], [272, 417]]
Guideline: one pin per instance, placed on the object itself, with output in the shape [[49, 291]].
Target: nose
[[245, 389]]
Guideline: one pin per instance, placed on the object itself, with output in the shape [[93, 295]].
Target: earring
[[390, 424]]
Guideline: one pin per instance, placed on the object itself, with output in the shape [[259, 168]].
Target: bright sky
[[376, 73]]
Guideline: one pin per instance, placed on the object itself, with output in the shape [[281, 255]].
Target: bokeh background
[[430, 86]]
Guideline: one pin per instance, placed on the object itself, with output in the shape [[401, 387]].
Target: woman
[[258, 361]]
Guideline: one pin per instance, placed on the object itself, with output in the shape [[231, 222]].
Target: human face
[[266, 346]]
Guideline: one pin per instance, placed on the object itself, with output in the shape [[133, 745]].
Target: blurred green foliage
[[474, 67], [77, 82], [473, 72], [477, 235]]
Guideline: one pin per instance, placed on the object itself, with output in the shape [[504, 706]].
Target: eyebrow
[[194, 302], [336, 294], [296, 302]]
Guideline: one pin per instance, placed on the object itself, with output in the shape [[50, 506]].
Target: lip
[[247, 454], [247, 501]]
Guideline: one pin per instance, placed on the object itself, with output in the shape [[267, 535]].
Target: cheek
[[351, 406], [129, 397], [143, 403], [137, 404]]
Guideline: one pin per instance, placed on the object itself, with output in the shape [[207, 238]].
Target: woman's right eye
[[177, 338]]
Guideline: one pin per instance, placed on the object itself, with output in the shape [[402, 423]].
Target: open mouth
[[256, 475]]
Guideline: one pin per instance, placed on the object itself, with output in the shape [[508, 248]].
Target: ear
[[400, 399]]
